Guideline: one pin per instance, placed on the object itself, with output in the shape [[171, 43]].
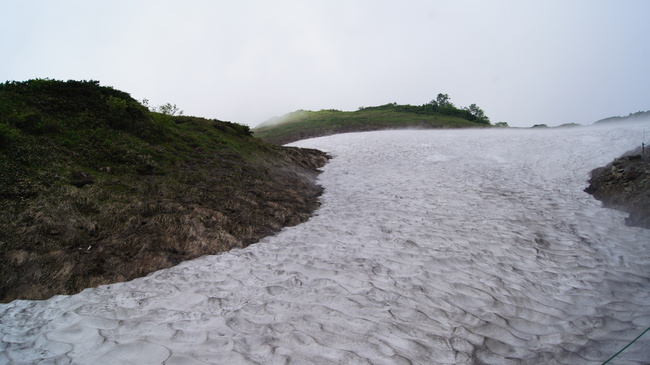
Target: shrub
[[7, 135], [168, 109]]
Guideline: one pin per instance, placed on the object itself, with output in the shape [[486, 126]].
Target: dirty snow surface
[[430, 247]]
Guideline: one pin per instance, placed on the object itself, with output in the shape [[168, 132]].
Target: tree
[[478, 113], [442, 100]]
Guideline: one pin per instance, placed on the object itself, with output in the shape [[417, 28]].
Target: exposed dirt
[[83, 241], [624, 184]]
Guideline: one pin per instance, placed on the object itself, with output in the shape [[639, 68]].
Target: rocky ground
[[624, 184]]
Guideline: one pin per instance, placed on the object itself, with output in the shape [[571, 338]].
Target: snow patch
[[443, 247]]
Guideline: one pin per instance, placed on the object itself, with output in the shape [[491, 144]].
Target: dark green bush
[[433, 108], [7, 135], [49, 106]]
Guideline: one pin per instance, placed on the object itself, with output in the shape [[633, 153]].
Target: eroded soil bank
[[86, 239], [624, 184]]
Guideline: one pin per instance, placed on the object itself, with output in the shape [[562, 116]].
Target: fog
[[524, 63], [430, 247]]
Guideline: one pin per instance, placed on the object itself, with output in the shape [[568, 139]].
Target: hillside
[[95, 188], [303, 124], [632, 117]]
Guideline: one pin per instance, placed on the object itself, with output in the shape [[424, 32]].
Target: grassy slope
[[308, 124], [95, 189]]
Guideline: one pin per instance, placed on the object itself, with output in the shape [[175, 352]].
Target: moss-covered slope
[[95, 188]]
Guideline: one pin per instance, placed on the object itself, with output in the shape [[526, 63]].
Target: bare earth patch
[[115, 230]]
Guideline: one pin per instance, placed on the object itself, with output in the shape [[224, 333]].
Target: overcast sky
[[522, 62]]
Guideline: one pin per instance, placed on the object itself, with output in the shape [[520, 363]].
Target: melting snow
[[431, 247]]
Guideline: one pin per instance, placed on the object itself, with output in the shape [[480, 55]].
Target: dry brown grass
[[109, 231]]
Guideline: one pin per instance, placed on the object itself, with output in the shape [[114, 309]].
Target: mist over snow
[[523, 62], [430, 247]]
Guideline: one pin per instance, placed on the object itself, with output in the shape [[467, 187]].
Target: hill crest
[[301, 124]]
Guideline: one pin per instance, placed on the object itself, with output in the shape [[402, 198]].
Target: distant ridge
[[304, 124], [632, 117]]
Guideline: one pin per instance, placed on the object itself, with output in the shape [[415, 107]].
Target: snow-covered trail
[[431, 247]]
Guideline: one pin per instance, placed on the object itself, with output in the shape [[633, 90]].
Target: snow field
[[431, 247]]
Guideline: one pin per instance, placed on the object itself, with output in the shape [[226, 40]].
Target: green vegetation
[[168, 109], [50, 129], [301, 124], [96, 188]]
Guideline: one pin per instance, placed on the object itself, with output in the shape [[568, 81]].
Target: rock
[[624, 184]]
